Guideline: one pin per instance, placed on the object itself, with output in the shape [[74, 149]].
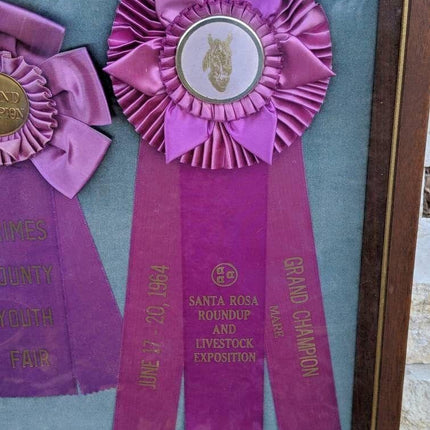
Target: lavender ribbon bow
[[69, 158]]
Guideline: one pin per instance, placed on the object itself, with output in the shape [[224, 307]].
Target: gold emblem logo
[[225, 275], [14, 105], [219, 61]]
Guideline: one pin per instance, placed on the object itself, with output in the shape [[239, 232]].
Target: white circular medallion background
[[220, 59]]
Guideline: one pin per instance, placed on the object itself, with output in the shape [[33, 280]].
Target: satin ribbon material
[[257, 133], [297, 48], [152, 346], [95, 340], [267, 7], [182, 139], [168, 9], [300, 65], [223, 216], [60, 326], [74, 151], [140, 67], [297, 347], [224, 253], [72, 156], [21, 40], [76, 88], [39, 126]]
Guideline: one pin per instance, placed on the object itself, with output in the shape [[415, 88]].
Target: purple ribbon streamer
[[59, 323], [152, 349], [297, 346], [224, 253], [215, 227]]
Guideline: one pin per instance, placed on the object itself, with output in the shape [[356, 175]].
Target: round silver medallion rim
[[220, 18], [27, 109]]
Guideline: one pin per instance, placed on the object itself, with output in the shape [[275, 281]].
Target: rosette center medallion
[[14, 105], [220, 59]]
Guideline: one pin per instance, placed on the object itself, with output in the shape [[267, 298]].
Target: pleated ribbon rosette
[[60, 326], [227, 250]]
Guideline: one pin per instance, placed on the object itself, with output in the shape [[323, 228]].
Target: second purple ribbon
[[60, 327]]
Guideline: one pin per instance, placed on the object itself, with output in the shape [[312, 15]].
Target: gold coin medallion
[[14, 106]]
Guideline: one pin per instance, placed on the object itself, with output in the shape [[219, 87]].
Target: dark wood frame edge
[[396, 160]]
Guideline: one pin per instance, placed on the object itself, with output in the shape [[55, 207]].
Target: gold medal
[[14, 105]]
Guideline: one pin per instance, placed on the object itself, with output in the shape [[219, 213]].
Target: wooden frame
[[396, 161]]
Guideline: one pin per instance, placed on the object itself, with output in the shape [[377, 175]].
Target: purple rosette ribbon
[[297, 50], [231, 263], [60, 326]]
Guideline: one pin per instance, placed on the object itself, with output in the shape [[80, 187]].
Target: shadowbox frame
[[398, 133]]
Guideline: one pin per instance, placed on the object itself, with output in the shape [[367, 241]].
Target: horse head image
[[219, 61]]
